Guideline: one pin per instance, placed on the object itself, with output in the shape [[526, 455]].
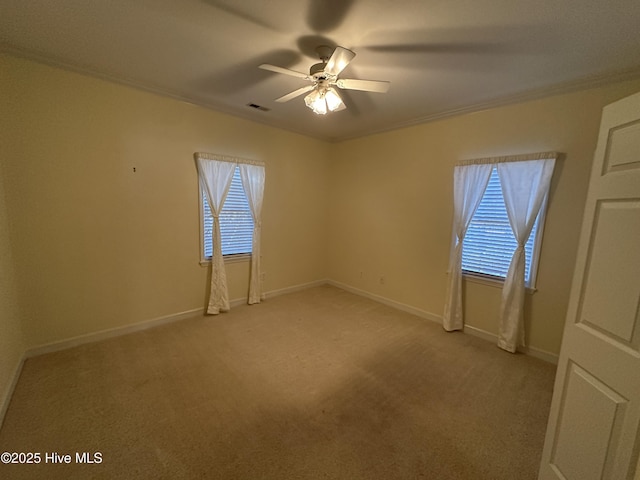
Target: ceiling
[[442, 57]]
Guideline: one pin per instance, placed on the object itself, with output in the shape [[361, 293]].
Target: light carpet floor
[[317, 384]]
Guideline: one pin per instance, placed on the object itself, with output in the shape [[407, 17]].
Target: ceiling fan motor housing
[[325, 52], [317, 70]]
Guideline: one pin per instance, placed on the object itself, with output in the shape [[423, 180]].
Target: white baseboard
[[531, 351], [236, 302], [476, 332], [144, 325], [391, 303], [541, 354], [281, 291], [294, 288], [88, 338], [4, 405], [111, 333]]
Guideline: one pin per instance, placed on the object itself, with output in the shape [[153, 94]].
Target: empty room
[[319, 239]]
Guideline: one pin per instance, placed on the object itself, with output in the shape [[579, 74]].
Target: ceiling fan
[[324, 77]]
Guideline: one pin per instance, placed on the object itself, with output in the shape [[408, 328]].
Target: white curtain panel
[[253, 184], [215, 178], [469, 184], [525, 185]]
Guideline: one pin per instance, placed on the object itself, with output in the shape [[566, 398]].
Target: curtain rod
[[510, 158], [226, 158]]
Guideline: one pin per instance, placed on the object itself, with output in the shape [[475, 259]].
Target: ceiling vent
[[258, 107]]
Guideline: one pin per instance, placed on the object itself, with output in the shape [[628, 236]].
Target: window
[[489, 243], [236, 222]]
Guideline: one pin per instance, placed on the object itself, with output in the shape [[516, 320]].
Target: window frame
[[229, 258], [498, 281]]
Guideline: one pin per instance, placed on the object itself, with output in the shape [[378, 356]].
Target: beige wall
[[12, 344], [391, 205], [99, 246]]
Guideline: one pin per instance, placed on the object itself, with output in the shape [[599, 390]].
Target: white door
[[595, 413]]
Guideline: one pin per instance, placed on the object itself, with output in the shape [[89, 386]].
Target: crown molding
[[584, 83]]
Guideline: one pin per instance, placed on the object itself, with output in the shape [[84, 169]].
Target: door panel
[[587, 397], [612, 293], [622, 147], [595, 411]]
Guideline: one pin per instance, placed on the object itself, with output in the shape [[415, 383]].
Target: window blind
[[489, 243], [236, 222]]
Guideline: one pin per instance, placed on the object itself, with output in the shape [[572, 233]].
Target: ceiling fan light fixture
[[316, 102], [323, 100], [333, 99]]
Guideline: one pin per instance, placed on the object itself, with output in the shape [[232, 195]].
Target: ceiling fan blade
[[294, 94], [286, 71], [364, 85], [338, 61]]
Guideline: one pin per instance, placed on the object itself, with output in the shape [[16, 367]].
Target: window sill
[[237, 258], [490, 281]]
